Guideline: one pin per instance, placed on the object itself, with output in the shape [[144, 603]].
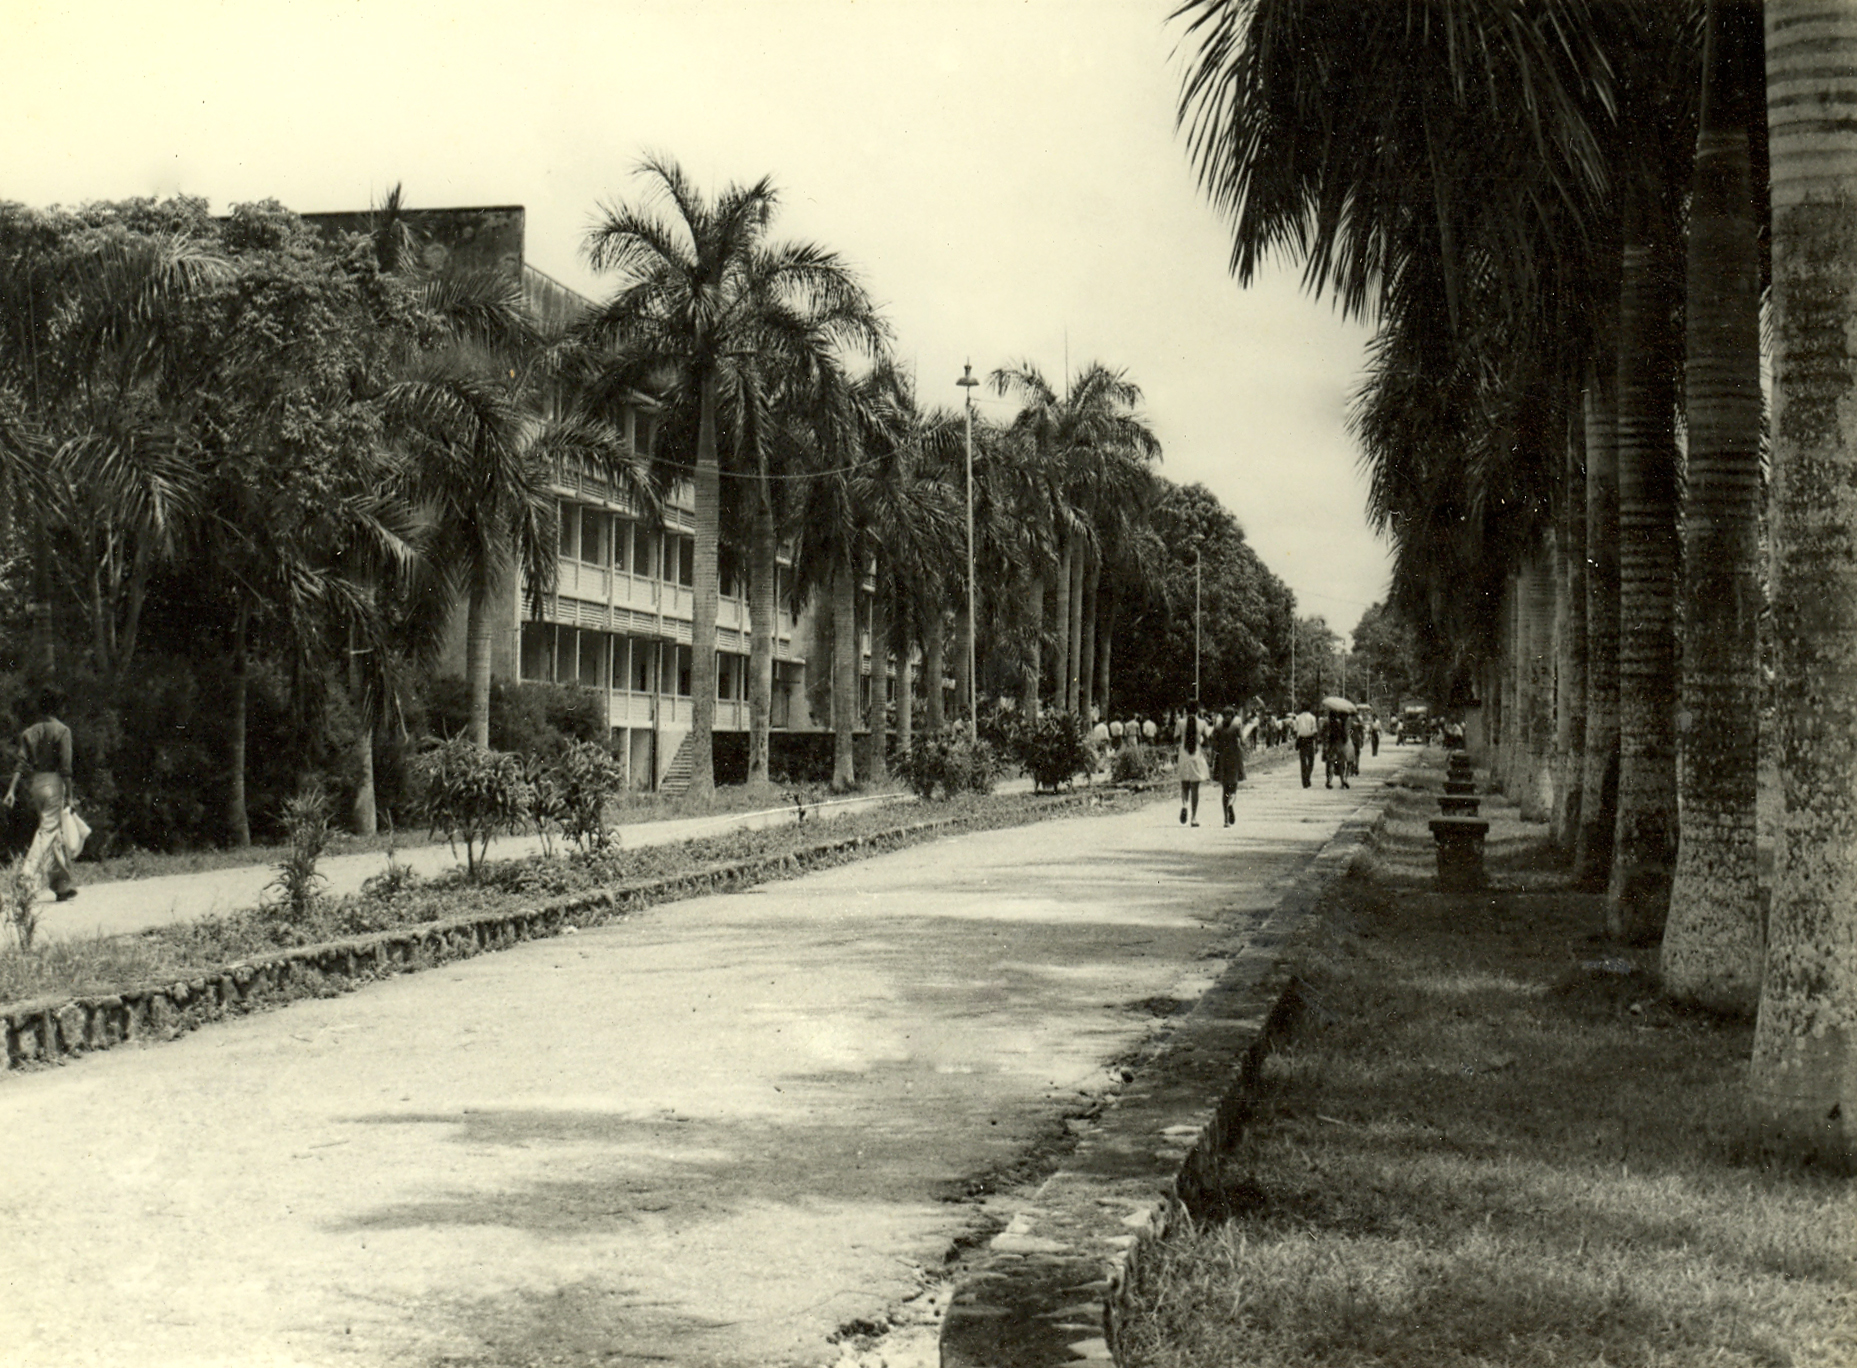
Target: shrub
[[1134, 763], [19, 893], [1052, 750], [306, 822], [472, 795], [952, 761], [585, 776]]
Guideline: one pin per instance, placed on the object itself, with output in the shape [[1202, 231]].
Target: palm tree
[[1091, 448], [696, 289], [1801, 1077], [1712, 940]]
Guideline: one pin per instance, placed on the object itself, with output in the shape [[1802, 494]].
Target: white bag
[[75, 832]]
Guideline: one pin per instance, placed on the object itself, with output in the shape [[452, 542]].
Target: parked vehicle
[[1414, 725]]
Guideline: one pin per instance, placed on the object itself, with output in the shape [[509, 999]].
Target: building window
[[725, 676], [593, 651], [644, 551], [570, 531], [686, 561], [593, 536], [683, 671], [642, 655], [537, 651], [622, 544], [668, 570], [620, 667]]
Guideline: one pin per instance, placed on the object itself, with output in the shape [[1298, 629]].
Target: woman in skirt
[[1192, 768]]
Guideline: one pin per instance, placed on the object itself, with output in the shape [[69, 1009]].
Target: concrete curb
[[51, 1030], [1053, 1287]]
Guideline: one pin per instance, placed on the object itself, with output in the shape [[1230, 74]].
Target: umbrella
[[1335, 703]]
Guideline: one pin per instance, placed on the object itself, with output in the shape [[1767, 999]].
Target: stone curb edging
[[1054, 1286], [49, 1030]]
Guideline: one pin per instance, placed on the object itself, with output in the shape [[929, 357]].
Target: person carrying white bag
[[45, 755]]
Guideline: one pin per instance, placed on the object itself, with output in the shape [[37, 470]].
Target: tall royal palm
[[1712, 940], [1804, 1073], [695, 289], [1091, 446]]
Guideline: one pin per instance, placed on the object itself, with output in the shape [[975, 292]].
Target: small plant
[[1052, 750], [306, 821], [472, 795], [1133, 764], [952, 761], [584, 776], [19, 896]]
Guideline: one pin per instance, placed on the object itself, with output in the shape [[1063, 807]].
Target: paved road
[[707, 1135], [132, 904]]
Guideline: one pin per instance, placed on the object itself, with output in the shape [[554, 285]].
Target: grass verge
[[1490, 1141], [108, 964]]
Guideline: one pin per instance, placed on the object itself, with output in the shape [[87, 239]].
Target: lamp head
[[967, 380]]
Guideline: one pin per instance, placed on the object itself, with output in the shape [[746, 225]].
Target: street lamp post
[[1196, 552], [967, 383]]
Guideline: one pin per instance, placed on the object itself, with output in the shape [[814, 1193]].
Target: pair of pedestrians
[[1217, 755]]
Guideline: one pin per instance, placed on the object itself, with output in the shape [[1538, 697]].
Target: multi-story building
[[618, 620]]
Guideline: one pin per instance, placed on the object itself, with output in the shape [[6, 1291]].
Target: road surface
[[711, 1134]]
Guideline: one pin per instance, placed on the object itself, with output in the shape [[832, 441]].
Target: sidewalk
[[125, 905]]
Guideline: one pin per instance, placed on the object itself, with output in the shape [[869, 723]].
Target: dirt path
[[709, 1135]]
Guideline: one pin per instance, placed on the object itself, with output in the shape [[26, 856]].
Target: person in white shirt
[[1306, 729]]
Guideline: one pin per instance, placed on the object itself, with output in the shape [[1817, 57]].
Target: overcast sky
[[1005, 175]]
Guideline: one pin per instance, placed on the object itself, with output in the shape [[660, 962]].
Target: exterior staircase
[[677, 778]]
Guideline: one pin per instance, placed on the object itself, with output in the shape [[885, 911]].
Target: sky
[[1006, 177]]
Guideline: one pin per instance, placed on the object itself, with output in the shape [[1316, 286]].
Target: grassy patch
[[83, 967], [1491, 1141]]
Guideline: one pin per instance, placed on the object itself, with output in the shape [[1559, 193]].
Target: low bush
[[471, 795], [951, 761], [1052, 750], [1132, 764]]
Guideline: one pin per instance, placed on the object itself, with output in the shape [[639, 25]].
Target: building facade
[[618, 620]]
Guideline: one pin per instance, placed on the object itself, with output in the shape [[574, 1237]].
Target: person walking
[[1228, 761], [45, 755], [1305, 729], [1335, 749], [1373, 731], [1191, 767]]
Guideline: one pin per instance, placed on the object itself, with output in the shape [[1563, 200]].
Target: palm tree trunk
[[367, 819], [477, 655], [1802, 1077], [1060, 656], [1105, 634], [705, 586], [1570, 612], [238, 824], [1536, 797], [1086, 651], [364, 815], [1712, 941], [1073, 633], [934, 667], [901, 642], [1034, 634], [1644, 849], [763, 614], [879, 679], [844, 675], [1592, 845]]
